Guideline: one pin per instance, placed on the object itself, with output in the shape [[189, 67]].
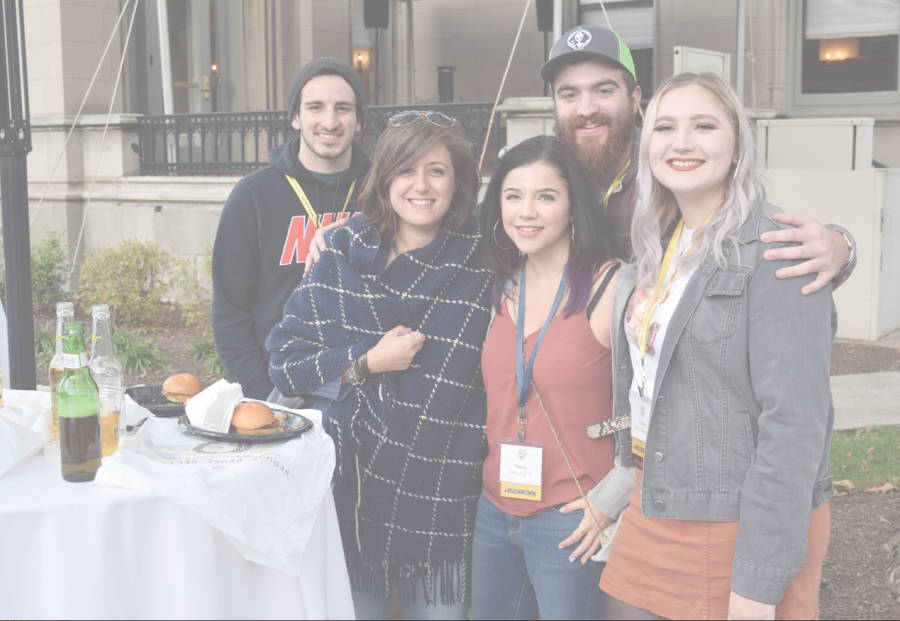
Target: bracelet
[[852, 249], [353, 376], [364, 364]]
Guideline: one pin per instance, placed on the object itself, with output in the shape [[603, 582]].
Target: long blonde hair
[[657, 208]]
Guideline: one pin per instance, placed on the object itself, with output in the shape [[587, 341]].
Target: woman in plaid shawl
[[385, 333]]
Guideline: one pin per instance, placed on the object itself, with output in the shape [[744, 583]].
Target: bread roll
[[254, 418], [181, 387]]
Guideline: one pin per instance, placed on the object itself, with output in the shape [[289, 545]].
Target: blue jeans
[[519, 572], [370, 606]]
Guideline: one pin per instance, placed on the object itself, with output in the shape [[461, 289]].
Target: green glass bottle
[[78, 404]]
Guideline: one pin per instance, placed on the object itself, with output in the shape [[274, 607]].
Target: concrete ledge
[[866, 399], [890, 340], [137, 189], [53, 122], [526, 104]]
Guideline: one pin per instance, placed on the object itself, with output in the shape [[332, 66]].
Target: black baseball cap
[[584, 42]]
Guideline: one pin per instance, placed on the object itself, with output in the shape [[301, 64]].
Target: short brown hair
[[400, 147]]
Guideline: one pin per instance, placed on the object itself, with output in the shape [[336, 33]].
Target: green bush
[[203, 349], [44, 345], [197, 312], [197, 283], [136, 354], [213, 365], [49, 273], [132, 279]]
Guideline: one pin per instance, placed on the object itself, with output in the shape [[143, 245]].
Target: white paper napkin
[[24, 429], [212, 408], [135, 413]]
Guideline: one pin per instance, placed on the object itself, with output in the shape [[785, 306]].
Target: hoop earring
[[573, 234], [497, 242]]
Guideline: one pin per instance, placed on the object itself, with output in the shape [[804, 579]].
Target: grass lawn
[[868, 457]]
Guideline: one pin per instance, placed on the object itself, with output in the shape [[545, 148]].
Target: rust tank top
[[573, 375]]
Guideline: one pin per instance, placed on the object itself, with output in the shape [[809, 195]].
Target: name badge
[[520, 469], [640, 425]]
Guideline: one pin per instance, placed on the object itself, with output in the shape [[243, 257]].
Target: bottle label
[[73, 362]]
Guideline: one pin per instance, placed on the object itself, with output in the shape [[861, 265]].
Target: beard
[[324, 152], [599, 159]]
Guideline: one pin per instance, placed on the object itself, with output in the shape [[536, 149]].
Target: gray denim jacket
[[742, 415]]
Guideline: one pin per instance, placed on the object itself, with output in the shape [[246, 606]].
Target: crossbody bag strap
[[604, 538]]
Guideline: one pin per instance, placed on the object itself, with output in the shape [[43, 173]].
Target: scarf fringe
[[412, 579], [377, 576]]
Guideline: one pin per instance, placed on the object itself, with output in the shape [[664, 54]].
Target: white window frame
[[878, 103]]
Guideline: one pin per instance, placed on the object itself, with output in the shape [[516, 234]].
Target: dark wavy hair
[[591, 247], [400, 147]]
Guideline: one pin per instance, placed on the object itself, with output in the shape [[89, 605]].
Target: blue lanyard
[[523, 373]]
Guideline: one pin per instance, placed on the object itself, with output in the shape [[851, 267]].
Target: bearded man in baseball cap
[[596, 99]]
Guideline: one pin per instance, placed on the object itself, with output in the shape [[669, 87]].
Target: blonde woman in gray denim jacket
[[724, 370]]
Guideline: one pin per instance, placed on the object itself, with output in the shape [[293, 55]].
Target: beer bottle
[[78, 404], [106, 370], [65, 311]]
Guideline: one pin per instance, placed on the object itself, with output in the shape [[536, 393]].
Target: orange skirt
[[681, 569]]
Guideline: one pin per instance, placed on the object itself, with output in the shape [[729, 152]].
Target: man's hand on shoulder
[[317, 246], [825, 250]]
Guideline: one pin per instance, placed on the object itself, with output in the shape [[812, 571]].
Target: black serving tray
[[292, 425], [151, 397]]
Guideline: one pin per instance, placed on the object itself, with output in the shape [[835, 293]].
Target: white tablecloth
[[82, 551]]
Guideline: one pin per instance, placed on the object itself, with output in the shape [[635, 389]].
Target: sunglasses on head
[[440, 119]]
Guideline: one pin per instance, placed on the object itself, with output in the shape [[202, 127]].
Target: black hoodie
[[261, 245]]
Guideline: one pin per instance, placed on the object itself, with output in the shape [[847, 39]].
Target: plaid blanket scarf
[[410, 445]]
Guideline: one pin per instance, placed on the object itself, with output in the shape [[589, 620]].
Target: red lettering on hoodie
[[300, 234]]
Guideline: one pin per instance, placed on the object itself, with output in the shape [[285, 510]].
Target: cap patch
[[579, 39]]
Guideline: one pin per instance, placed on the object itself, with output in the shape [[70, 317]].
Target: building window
[[632, 20], [850, 47]]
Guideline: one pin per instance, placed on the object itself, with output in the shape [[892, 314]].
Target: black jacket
[[261, 244]]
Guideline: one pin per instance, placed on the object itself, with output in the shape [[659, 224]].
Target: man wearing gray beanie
[[272, 214]]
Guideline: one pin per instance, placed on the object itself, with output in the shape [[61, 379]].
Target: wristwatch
[[359, 370]]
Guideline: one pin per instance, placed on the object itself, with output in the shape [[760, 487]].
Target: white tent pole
[[557, 20], [165, 60]]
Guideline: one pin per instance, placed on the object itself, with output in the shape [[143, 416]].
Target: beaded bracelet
[[353, 377]]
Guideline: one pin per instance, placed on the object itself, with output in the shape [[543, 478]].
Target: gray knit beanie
[[325, 66]]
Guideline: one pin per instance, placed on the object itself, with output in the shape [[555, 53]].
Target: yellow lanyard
[[308, 207], [615, 184], [658, 299]]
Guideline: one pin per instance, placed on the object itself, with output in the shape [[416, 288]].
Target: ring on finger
[[581, 529]]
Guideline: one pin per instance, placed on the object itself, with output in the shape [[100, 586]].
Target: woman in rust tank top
[[547, 372]]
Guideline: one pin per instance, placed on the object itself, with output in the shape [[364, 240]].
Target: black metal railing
[[237, 143], [472, 118], [223, 143]]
